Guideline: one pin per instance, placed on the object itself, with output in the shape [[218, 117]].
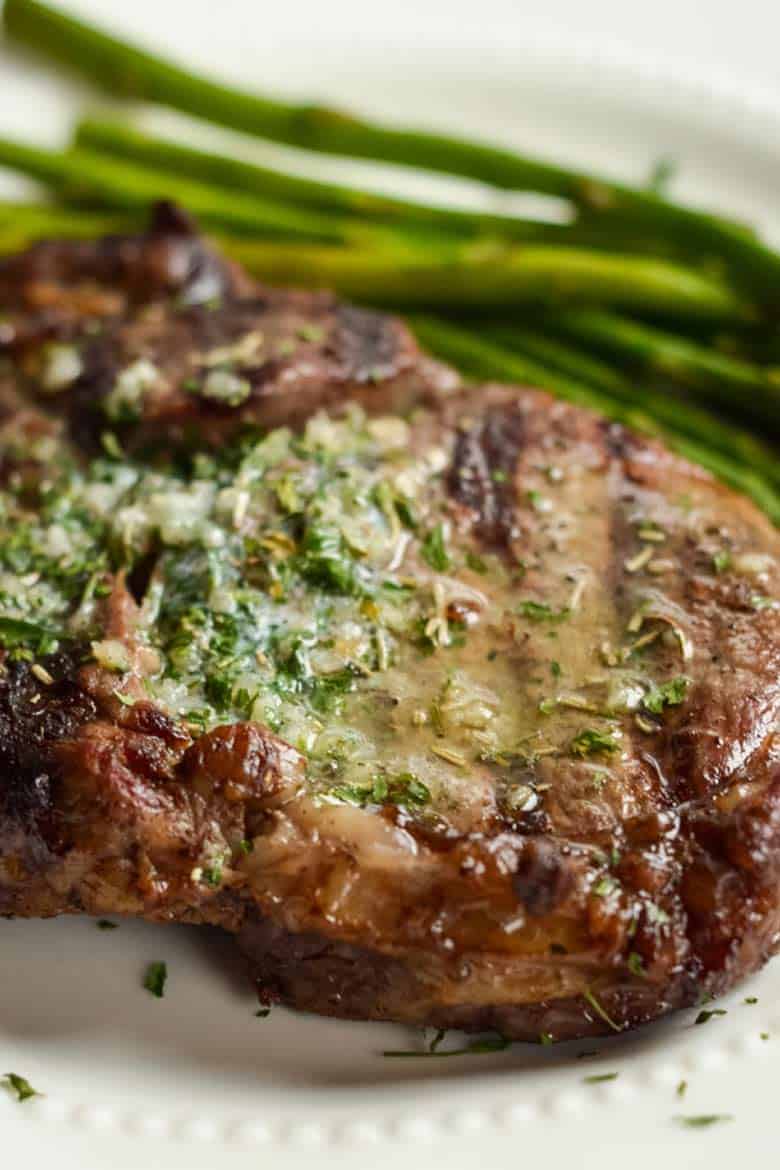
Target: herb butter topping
[[326, 585]]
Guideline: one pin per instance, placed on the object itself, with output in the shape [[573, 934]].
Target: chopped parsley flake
[[668, 694], [600, 1078], [539, 611], [721, 560], [590, 742], [125, 700], [538, 501], [703, 1120], [402, 790], [311, 332], [475, 1048], [105, 924], [475, 562], [682, 1088], [706, 1015], [155, 979], [20, 1086], [17, 634], [600, 1011], [212, 874], [434, 550]]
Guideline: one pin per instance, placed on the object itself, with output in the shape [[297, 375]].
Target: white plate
[[195, 1080]]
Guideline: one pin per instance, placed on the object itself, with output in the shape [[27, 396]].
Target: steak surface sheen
[[457, 705]]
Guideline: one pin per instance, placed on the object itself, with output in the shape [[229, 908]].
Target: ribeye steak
[[458, 705]]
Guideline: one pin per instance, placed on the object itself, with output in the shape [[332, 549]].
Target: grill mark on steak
[[482, 475], [34, 718]]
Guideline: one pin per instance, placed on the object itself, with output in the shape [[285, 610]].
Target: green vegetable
[[79, 175], [494, 275], [19, 1085], [122, 140], [156, 978], [712, 376], [126, 70], [600, 1078], [590, 742]]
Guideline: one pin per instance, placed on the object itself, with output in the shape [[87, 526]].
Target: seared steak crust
[[612, 606], [158, 338]]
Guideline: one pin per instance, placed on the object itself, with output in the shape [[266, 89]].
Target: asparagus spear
[[31, 221], [125, 69], [491, 275], [122, 140], [559, 355], [79, 174], [478, 275], [733, 383], [485, 359]]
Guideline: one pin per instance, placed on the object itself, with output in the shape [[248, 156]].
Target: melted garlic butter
[[318, 584]]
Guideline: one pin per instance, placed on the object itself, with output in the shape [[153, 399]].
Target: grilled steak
[[461, 716], [157, 339]]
